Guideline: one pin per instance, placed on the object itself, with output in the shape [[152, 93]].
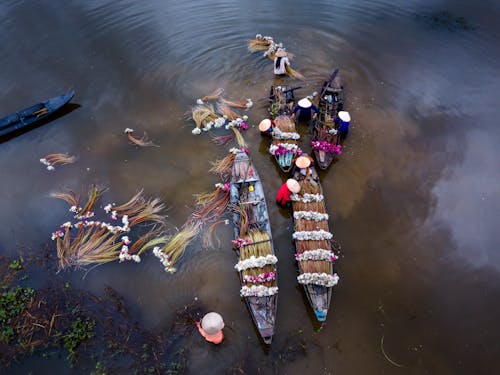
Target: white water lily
[[128, 130], [258, 291], [313, 235], [196, 131], [50, 168], [316, 254], [307, 198], [322, 279], [199, 101], [254, 262], [310, 215], [287, 146], [278, 134], [219, 122]]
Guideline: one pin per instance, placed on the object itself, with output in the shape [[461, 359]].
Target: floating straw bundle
[[293, 73], [51, 160], [225, 110], [141, 142], [213, 95]]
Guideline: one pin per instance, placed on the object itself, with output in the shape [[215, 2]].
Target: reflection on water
[[413, 199]]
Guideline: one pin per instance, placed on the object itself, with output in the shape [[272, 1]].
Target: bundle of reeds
[[141, 142], [311, 244], [316, 266], [223, 167], [210, 206], [310, 225], [213, 95], [94, 193], [202, 115], [225, 110], [258, 44], [293, 73], [51, 160], [178, 243], [139, 210], [235, 104], [260, 245]]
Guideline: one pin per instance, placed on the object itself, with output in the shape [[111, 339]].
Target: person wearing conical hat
[[211, 327], [304, 109], [303, 162], [343, 121], [280, 62], [290, 187], [266, 126]]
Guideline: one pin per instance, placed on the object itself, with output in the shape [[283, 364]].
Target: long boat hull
[[262, 309], [33, 114], [331, 101], [282, 100], [319, 296]]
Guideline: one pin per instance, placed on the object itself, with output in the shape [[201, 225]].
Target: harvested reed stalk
[[209, 237], [203, 113], [239, 137], [210, 206], [293, 73], [223, 167], [242, 211], [225, 110], [311, 225], [257, 45], [94, 194], [148, 241], [311, 245], [70, 197], [309, 206], [222, 140], [213, 95], [316, 266], [236, 104], [177, 245], [141, 142]]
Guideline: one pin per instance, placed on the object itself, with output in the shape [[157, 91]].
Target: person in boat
[[343, 121], [290, 187], [304, 109], [266, 127], [211, 327], [280, 62], [303, 162]]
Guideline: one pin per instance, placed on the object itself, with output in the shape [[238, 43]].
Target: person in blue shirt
[[343, 122], [304, 109]]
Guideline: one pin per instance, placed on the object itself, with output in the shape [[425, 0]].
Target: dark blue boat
[[33, 114]]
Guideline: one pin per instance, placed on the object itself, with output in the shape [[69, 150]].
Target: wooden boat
[[325, 140], [252, 233], [313, 242], [35, 113], [284, 145]]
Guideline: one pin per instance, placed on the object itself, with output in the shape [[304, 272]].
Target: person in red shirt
[[211, 327], [284, 192]]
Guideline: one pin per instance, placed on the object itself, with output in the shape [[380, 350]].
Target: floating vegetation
[[141, 142], [444, 20], [212, 96], [51, 160], [87, 242], [237, 104], [55, 319]]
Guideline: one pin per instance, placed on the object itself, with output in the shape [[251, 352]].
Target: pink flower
[[243, 126]]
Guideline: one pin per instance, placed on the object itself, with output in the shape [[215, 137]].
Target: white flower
[[107, 208], [258, 291], [333, 131], [44, 161], [292, 147], [234, 150], [258, 36], [254, 262], [199, 101], [313, 235], [125, 220], [67, 225], [249, 103], [245, 117], [316, 254], [226, 222], [113, 214], [278, 134], [323, 279], [73, 209], [219, 122], [310, 215], [307, 198], [50, 168], [136, 258], [224, 117], [171, 270], [128, 130], [196, 131]]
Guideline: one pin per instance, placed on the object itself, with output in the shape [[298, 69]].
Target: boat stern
[[267, 335]]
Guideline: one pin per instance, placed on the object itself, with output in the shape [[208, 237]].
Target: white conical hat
[[304, 103], [264, 125], [303, 161], [345, 116], [293, 185], [212, 323]]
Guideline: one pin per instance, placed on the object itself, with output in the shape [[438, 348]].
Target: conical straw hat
[[304, 103], [264, 125], [344, 116], [212, 323], [293, 185], [303, 162]]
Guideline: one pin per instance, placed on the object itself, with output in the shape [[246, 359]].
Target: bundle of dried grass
[[213, 95], [225, 110], [223, 167], [310, 206], [94, 194], [210, 206], [141, 142], [293, 73], [316, 266], [235, 104], [221, 140], [51, 160], [311, 225], [258, 44], [260, 245], [177, 244], [310, 244]]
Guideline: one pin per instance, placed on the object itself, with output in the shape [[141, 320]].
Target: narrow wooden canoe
[[331, 101], [284, 145], [247, 193], [33, 114], [313, 242]]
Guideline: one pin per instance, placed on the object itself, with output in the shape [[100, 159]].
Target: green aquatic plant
[[13, 303], [81, 330]]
